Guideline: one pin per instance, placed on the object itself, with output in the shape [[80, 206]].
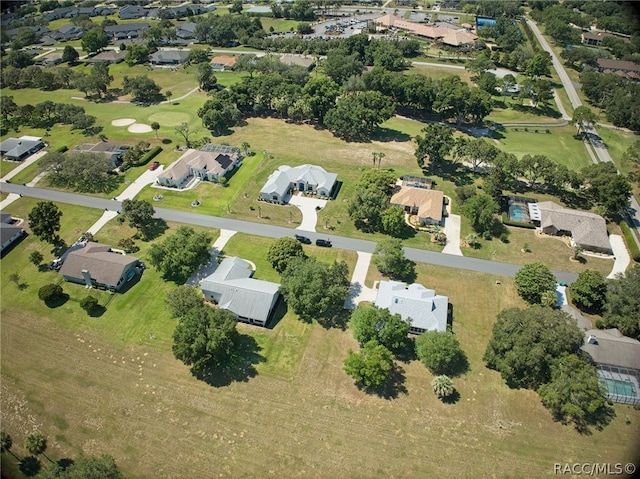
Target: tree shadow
[[451, 398], [43, 268], [393, 387], [57, 301], [97, 311], [339, 319], [383, 134], [30, 466], [598, 420], [239, 367], [408, 353], [279, 312], [155, 228], [65, 462], [540, 110]]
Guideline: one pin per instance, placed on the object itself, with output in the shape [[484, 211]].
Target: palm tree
[[36, 444], [245, 148], [381, 155], [442, 386], [472, 240], [6, 443], [577, 249], [155, 126], [375, 157]]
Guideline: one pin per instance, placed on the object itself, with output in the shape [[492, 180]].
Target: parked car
[[324, 243], [154, 165], [302, 239]]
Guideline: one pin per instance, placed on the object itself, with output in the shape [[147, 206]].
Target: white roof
[[423, 307], [239, 292], [280, 180]]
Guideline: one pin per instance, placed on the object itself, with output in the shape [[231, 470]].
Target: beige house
[[426, 204], [203, 165]]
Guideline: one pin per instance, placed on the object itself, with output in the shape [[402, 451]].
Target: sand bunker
[[139, 128], [123, 122]]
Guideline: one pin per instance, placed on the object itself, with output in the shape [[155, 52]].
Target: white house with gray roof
[[426, 310], [199, 164], [305, 178], [586, 229], [233, 288]]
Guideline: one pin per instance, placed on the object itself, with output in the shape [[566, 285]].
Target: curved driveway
[[258, 229]]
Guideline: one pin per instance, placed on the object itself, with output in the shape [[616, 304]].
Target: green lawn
[[7, 166]]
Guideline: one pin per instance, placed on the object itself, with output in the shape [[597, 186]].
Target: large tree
[[183, 299], [589, 291], [533, 280], [583, 116], [204, 338], [574, 392], [94, 40], [44, 221], [481, 210], [181, 254], [622, 310], [83, 172], [388, 329], [206, 78], [357, 115], [524, 343], [436, 143], [142, 89], [606, 187], [139, 213], [85, 467], [440, 352], [372, 366], [70, 55], [389, 258], [313, 289], [282, 250]]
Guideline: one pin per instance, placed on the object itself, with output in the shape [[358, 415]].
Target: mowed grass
[[299, 416]]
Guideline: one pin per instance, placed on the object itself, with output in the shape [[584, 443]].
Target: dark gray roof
[[16, 147], [104, 266], [8, 231], [5, 217], [169, 56], [126, 27], [611, 347]]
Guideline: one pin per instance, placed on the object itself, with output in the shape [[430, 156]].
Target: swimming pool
[[516, 213], [620, 388]]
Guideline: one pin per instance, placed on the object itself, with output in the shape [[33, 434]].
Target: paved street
[[258, 229]]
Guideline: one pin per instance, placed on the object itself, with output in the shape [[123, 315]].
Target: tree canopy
[[622, 309], [181, 300], [441, 353], [370, 201], [589, 291], [481, 210], [372, 366], [139, 213], [389, 258], [181, 254], [313, 289], [574, 392], [85, 467], [282, 250], [44, 221], [524, 343], [204, 338], [388, 329], [533, 280], [436, 143], [82, 172]]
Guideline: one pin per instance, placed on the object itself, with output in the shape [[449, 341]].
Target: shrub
[[631, 244], [88, 303], [49, 292], [62, 149], [148, 156]]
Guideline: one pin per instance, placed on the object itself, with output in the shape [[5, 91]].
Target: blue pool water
[[516, 213]]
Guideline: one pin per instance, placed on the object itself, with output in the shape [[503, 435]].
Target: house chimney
[[87, 278], [592, 339]]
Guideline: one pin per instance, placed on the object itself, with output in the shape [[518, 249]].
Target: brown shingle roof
[[226, 60], [428, 202], [587, 229], [104, 266]]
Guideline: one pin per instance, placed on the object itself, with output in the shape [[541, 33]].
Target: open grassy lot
[[617, 142], [6, 166], [296, 414]]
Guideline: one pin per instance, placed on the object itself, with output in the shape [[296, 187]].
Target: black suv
[[323, 242], [302, 239]]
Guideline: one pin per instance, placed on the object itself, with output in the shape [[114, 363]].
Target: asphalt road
[[259, 229]]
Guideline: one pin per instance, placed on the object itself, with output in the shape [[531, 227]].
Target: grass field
[[92, 385]]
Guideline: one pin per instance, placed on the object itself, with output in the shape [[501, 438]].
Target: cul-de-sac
[[324, 239]]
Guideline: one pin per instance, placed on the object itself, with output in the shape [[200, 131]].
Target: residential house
[[113, 151], [168, 57], [97, 265], [233, 288], [67, 33], [587, 230], [306, 178], [416, 200], [594, 39], [130, 12], [125, 31], [422, 307], [108, 56], [37, 29], [303, 61], [621, 68], [199, 164], [617, 360], [9, 231], [52, 58], [18, 149], [186, 31], [222, 63]]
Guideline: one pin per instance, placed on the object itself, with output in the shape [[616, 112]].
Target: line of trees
[[45, 114]]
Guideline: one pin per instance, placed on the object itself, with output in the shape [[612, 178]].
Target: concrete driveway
[[621, 254], [308, 208], [452, 230], [357, 290]]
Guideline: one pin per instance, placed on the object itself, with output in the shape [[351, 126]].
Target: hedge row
[[630, 240], [62, 149], [148, 156], [519, 224]]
